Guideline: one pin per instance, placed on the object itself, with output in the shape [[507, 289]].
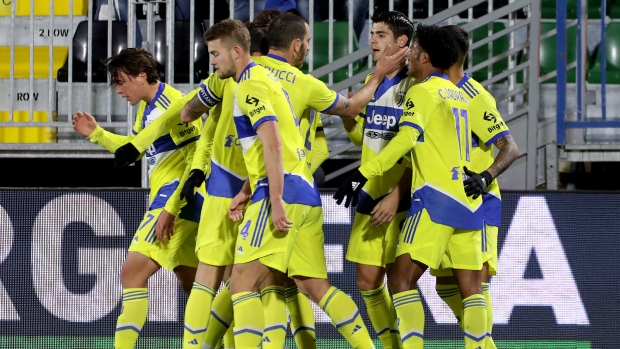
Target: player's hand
[[350, 189], [164, 228], [84, 123], [235, 211], [389, 63], [385, 210], [278, 216], [477, 183], [194, 180], [125, 155]]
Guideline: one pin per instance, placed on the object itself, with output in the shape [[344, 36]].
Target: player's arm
[[202, 157], [508, 153], [320, 150], [355, 129], [386, 209], [85, 124], [351, 107], [268, 134], [210, 93]]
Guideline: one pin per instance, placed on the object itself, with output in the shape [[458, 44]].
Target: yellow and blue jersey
[[308, 96], [429, 126], [227, 171], [260, 98], [166, 157], [377, 124], [487, 127]]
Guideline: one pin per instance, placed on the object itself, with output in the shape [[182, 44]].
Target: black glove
[[476, 184], [350, 189], [125, 155], [194, 180]]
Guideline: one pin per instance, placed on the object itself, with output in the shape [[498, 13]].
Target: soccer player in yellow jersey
[[284, 201], [166, 236], [383, 201], [488, 129], [435, 130]]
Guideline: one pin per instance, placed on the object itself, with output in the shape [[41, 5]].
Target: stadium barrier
[[61, 252]]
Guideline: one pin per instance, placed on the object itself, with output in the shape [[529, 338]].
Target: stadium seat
[[27, 134], [42, 8], [181, 52], [612, 46], [548, 52], [481, 54], [341, 48], [99, 50], [22, 61]]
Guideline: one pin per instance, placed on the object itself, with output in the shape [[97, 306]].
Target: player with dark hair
[[488, 129], [442, 217], [166, 236], [384, 200]]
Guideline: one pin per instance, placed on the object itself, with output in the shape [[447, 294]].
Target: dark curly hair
[[442, 50], [132, 61]]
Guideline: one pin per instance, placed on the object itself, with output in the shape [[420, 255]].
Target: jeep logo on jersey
[[382, 120], [490, 117], [251, 100], [409, 104]]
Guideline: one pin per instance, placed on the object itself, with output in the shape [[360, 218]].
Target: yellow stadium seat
[[42, 7], [22, 61], [27, 134]]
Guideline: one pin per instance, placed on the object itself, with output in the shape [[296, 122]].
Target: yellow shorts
[[259, 240], [308, 257], [374, 245], [179, 250], [489, 253], [427, 242], [217, 234]]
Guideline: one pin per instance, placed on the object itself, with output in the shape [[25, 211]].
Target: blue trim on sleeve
[[333, 104], [188, 141], [417, 127], [263, 119], [496, 137], [134, 132]]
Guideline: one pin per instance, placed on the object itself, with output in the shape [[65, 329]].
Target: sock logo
[[266, 340], [135, 240], [240, 249], [193, 341], [357, 327]]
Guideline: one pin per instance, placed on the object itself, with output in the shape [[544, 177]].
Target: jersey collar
[[247, 67], [279, 58], [463, 81], [439, 75], [160, 90]]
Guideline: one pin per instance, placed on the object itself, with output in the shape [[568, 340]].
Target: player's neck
[[241, 63], [456, 73], [151, 92], [286, 55]]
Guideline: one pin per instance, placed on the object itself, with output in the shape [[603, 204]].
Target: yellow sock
[[410, 314], [382, 315], [249, 321], [346, 317], [475, 321], [221, 318], [274, 308], [197, 315], [489, 344], [302, 318], [132, 318], [229, 338], [451, 294]]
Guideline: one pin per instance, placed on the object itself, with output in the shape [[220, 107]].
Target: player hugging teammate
[[425, 192]]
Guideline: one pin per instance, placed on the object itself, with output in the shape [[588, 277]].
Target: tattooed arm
[[193, 110], [508, 153]]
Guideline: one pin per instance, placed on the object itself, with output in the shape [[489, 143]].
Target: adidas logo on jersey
[[135, 240], [357, 327], [193, 342], [240, 249]]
